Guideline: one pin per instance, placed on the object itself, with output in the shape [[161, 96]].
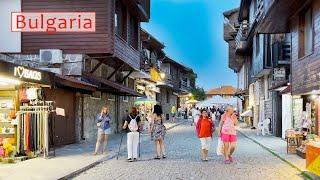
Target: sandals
[[157, 157], [164, 156]]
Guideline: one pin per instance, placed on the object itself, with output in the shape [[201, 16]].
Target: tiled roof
[[223, 90]]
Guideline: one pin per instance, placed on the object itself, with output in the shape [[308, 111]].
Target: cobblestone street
[[183, 162]]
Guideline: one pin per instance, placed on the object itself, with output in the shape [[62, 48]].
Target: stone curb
[[303, 173], [79, 171]]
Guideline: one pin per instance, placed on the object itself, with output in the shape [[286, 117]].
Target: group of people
[[132, 127], [205, 128]]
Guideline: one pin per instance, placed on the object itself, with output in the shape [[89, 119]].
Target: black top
[[129, 119]]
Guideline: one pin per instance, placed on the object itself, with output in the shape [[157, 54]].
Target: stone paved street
[[183, 162]]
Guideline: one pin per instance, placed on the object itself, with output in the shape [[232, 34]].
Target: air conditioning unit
[[50, 56], [53, 70]]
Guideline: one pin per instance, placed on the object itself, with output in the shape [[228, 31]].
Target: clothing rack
[[45, 127]]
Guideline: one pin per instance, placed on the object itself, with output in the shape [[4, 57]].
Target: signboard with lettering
[[279, 74], [23, 72]]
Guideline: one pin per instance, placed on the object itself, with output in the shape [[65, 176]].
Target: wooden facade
[[108, 40], [305, 70]]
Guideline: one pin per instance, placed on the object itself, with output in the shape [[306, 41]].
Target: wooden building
[[301, 20], [106, 58]]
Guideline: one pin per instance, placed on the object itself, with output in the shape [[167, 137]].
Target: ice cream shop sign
[[22, 72], [53, 22]]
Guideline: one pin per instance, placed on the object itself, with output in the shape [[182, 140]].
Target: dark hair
[[134, 111], [203, 110], [157, 109]]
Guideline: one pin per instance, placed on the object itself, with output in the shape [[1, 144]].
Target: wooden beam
[[126, 76], [116, 70], [96, 67]]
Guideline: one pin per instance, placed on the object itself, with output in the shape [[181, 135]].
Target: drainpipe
[[82, 118], [117, 112]]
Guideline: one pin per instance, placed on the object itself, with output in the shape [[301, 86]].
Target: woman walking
[[131, 125], [103, 124], [205, 128], [158, 131], [228, 134]]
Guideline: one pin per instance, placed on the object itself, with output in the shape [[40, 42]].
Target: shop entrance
[[64, 125]]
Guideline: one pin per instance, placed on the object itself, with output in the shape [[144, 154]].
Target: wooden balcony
[[126, 53], [277, 14], [241, 38], [183, 86], [230, 31], [166, 82]]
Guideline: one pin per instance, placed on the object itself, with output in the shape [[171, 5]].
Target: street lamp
[[162, 75]]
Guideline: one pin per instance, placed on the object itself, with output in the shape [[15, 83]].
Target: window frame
[[302, 54]]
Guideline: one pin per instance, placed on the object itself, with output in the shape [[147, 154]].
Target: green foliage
[[198, 94]]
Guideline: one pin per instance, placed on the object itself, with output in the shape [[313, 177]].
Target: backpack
[[133, 125]]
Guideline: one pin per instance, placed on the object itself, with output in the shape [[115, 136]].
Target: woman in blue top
[[103, 123]]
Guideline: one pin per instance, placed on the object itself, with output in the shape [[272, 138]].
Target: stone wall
[[92, 107]]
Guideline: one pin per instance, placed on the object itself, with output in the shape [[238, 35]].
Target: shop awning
[[73, 83], [247, 113], [279, 86], [240, 92], [140, 101], [140, 74], [109, 86], [286, 90]]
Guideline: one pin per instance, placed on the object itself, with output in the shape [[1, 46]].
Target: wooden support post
[[114, 72]]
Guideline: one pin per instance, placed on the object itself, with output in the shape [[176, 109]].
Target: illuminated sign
[[22, 72]]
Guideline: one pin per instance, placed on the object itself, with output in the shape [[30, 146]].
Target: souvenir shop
[[303, 139], [24, 112]]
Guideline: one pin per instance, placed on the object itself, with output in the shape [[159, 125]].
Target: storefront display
[[24, 112]]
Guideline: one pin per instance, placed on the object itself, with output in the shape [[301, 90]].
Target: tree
[[198, 94]]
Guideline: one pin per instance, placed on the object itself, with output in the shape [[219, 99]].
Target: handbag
[[220, 147]]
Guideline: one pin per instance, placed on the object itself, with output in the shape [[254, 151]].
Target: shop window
[[168, 97], [305, 33], [120, 20]]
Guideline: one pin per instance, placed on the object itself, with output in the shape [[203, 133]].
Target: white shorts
[[205, 143]]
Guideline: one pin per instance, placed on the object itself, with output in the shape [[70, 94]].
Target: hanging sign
[[23, 72], [279, 74]]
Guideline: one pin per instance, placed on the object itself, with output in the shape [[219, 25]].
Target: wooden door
[[64, 126]]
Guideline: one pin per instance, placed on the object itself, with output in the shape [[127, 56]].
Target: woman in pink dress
[[228, 134]]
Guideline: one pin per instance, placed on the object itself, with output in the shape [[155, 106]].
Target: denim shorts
[[104, 131]]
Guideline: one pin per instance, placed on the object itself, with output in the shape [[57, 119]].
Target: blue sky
[[192, 31]]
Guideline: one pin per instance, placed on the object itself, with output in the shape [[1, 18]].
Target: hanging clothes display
[[33, 134]]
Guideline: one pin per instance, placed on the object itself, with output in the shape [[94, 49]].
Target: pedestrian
[[173, 113], [131, 126], [186, 113], [195, 115], [179, 111], [205, 128], [158, 131], [228, 134], [103, 122]]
